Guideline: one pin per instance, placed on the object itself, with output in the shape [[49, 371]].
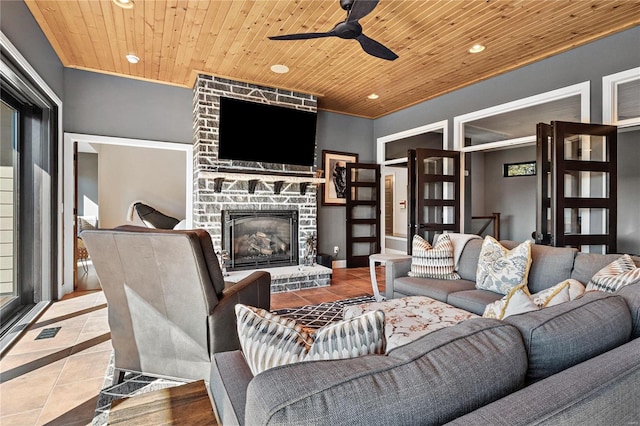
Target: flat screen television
[[250, 131]]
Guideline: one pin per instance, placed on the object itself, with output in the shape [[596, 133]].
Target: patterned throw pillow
[[433, 262], [614, 276], [359, 336], [269, 340], [500, 270], [519, 299]]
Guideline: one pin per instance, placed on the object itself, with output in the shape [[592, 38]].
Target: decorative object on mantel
[[223, 258], [334, 165], [310, 250]]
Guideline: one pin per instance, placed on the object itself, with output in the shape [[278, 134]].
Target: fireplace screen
[[259, 239]]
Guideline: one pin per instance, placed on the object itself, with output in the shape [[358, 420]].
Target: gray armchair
[[169, 309]]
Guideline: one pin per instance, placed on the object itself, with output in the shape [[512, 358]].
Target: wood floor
[[56, 381]]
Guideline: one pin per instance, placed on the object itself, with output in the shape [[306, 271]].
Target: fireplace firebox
[[260, 238]]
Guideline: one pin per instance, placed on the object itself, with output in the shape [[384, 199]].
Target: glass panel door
[[363, 213], [586, 191], [434, 187], [582, 188], [8, 190], [544, 218]]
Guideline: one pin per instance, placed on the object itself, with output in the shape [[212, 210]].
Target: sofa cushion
[[631, 294], [153, 218], [433, 261], [230, 376], [430, 287], [549, 265], [563, 335], [417, 383], [468, 262], [269, 340], [501, 269], [473, 300], [614, 276], [599, 391]]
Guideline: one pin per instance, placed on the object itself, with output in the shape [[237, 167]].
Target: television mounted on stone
[[251, 131]]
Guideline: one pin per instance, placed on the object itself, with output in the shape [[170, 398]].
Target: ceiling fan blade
[[360, 9], [374, 48], [302, 36]]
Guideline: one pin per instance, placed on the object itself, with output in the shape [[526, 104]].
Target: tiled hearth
[[291, 278]]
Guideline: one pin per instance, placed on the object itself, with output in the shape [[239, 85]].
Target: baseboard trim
[[339, 264]]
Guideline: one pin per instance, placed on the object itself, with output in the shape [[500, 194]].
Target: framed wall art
[[334, 164]]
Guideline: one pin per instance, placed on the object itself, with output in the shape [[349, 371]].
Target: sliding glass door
[[28, 176], [9, 292]]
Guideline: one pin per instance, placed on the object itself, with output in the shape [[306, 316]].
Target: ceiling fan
[[350, 28]]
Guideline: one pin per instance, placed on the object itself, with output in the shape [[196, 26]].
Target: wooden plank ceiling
[[177, 39]]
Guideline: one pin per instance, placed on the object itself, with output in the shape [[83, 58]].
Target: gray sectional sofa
[[572, 363]]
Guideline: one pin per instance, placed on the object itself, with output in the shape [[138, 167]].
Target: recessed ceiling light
[[279, 68], [132, 59], [125, 4], [476, 48], [373, 96]]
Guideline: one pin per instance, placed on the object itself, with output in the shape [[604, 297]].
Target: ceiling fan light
[[476, 48], [125, 4], [280, 69], [133, 59], [373, 96]]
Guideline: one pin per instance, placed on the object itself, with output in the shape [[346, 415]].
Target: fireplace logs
[[259, 243]]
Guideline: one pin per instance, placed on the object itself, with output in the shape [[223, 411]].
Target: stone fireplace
[[241, 186]]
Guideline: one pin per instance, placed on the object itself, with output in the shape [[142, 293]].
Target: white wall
[[87, 184], [513, 197], [399, 194], [127, 174]]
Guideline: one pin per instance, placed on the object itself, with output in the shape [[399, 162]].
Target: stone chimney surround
[[236, 185]]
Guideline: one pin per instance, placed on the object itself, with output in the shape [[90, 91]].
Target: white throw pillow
[[562, 292], [517, 301]]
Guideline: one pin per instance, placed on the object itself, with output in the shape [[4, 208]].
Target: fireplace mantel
[[276, 178], [264, 177]]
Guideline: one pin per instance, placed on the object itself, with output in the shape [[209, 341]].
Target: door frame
[[69, 179], [380, 158]]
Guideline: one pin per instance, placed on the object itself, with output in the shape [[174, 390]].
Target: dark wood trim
[[355, 181], [263, 172]]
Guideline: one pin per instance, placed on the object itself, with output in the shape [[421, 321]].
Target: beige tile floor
[[56, 381]]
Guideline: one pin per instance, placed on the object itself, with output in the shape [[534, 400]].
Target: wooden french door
[[434, 193], [577, 186], [362, 213]]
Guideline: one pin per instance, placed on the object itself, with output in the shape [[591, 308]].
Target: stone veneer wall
[[208, 204]]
